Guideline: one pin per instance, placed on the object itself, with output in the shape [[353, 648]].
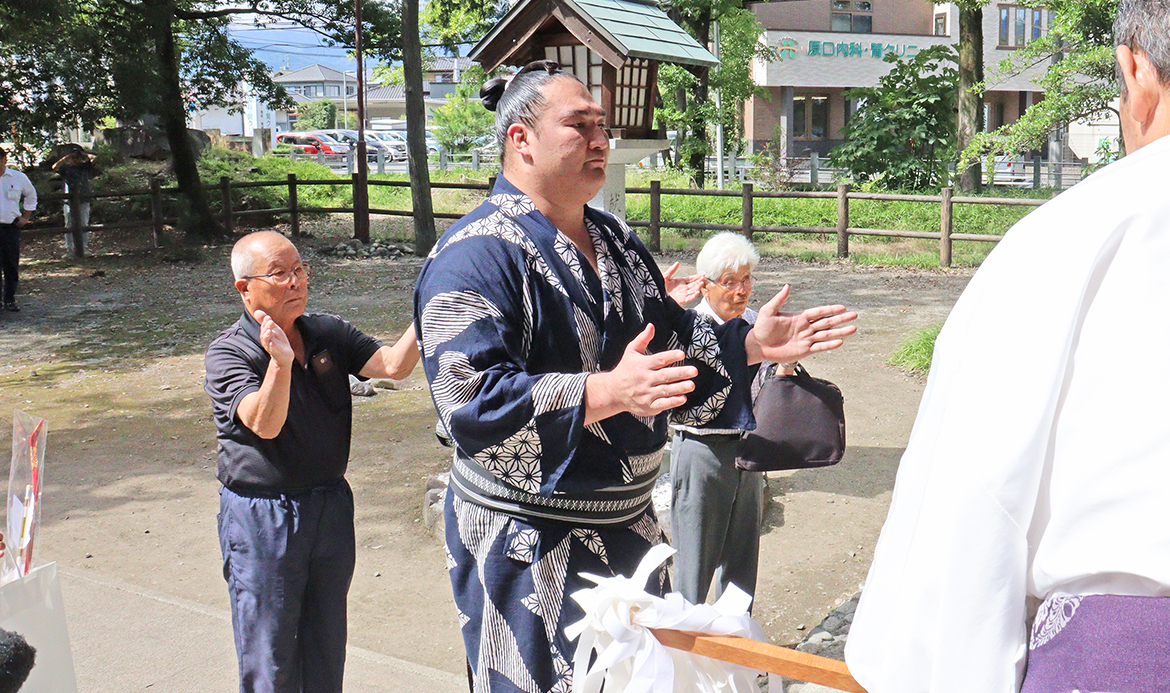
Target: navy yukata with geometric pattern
[[511, 319]]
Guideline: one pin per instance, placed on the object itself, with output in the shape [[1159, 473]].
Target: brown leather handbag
[[800, 423]]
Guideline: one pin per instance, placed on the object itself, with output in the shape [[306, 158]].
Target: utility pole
[[361, 192], [718, 113]]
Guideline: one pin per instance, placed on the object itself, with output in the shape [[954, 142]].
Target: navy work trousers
[[288, 560]]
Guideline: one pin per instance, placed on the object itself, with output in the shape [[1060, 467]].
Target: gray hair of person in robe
[[1144, 25], [519, 98], [725, 251]]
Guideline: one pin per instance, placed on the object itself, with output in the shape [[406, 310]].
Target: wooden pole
[[156, 210], [655, 215], [842, 220], [361, 191], [748, 216], [294, 216], [763, 657], [225, 188], [75, 221], [946, 225]]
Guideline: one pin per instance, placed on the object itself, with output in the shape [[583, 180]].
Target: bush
[[916, 352]]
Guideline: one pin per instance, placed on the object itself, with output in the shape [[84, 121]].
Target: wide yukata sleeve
[[943, 607], [475, 307], [722, 394]]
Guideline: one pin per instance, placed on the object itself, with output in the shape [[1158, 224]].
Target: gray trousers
[[715, 516]]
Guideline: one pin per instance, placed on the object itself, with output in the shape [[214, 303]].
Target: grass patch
[[914, 354]]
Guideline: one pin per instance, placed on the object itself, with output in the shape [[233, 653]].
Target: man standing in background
[[18, 200]]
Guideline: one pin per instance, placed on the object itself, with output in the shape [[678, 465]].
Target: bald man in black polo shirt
[[279, 385]]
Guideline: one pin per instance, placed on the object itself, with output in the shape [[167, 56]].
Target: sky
[[289, 46]]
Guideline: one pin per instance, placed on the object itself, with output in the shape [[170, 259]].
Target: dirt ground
[[109, 350]]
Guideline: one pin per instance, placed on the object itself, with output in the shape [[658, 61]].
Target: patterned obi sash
[[1100, 643], [612, 506]]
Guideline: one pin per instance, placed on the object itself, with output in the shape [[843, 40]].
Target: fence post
[[320, 157], [349, 158], [1057, 174], [842, 220], [442, 158], [814, 168], [946, 225], [361, 209], [156, 209], [747, 220], [381, 161], [294, 216], [225, 189], [1036, 171], [474, 159], [655, 215], [75, 220]]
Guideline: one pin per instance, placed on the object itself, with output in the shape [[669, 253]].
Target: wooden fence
[[842, 231]]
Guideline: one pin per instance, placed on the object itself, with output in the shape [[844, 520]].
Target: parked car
[[373, 144], [487, 146], [1011, 170], [399, 136], [312, 142], [396, 143]]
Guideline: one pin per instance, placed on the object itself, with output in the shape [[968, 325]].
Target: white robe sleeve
[[943, 607]]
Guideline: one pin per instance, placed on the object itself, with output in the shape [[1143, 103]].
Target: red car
[[312, 143]]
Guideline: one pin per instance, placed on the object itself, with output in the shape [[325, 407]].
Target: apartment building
[[829, 46]]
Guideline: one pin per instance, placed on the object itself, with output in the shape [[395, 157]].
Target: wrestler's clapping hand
[[274, 340], [789, 337], [642, 384], [683, 289]]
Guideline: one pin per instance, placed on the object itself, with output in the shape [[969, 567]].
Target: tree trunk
[[970, 103], [198, 220], [416, 121]]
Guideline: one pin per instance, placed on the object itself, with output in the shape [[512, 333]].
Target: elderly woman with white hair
[[716, 508]]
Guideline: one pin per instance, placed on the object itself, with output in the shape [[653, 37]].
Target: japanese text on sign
[[854, 49]]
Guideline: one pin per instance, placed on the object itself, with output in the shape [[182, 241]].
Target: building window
[[1018, 25], [810, 117], [852, 16], [940, 24], [332, 90]]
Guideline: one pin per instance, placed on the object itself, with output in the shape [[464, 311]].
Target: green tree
[[904, 132], [74, 62], [1079, 85], [463, 118], [318, 115], [686, 91]]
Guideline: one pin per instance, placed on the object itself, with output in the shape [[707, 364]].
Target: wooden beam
[[609, 90], [763, 657], [585, 34], [563, 38], [513, 37], [651, 94]]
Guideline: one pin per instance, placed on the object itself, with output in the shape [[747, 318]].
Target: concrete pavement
[[129, 638]]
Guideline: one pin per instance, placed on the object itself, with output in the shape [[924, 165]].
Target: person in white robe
[[1040, 458]]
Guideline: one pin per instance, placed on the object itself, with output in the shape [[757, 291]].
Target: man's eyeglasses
[[733, 285], [283, 276]]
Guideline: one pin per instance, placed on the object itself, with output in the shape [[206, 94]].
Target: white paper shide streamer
[[618, 617]]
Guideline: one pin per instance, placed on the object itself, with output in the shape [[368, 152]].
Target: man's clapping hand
[[274, 340]]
